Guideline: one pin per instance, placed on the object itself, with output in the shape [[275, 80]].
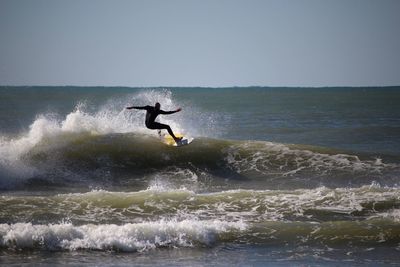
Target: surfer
[[151, 115]]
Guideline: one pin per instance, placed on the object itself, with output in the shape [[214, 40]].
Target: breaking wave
[[133, 237], [100, 206], [127, 237], [163, 217], [71, 156], [111, 146]]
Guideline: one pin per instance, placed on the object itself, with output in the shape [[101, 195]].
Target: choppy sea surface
[[274, 176]]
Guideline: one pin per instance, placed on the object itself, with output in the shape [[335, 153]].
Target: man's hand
[[179, 109], [129, 107]]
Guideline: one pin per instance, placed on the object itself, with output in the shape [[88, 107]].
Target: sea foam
[[127, 237]]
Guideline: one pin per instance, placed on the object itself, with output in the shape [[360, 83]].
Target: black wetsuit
[[151, 115]]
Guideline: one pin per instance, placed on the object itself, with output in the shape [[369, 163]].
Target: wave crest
[[127, 237]]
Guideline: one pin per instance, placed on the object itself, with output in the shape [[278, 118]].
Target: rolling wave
[[161, 217], [78, 157], [173, 233], [127, 237], [99, 206]]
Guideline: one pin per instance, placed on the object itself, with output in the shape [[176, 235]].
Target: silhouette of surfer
[[151, 115]]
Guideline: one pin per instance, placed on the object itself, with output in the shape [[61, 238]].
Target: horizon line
[[216, 87]]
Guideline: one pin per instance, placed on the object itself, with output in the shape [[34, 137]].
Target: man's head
[[157, 106]]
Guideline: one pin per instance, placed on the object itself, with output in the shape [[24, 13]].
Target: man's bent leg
[[157, 125], [169, 131]]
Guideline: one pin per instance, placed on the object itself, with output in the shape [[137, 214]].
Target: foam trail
[[266, 157]]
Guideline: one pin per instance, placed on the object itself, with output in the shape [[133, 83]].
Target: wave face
[[92, 179], [131, 159]]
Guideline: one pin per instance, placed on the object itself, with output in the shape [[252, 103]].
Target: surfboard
[[168, 140]]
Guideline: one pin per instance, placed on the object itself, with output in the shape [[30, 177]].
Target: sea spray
[[109, 118]]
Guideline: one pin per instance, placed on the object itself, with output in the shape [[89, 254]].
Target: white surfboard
[[168, 140]]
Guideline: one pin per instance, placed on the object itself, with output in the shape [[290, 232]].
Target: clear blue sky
[[200, 43]]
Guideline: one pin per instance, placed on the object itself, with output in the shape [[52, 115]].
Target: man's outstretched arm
[[170, 112], [144, 107]]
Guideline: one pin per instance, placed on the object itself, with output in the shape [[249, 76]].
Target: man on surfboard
[[151, 115]]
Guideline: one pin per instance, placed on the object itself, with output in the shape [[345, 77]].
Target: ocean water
[[274, 176]]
